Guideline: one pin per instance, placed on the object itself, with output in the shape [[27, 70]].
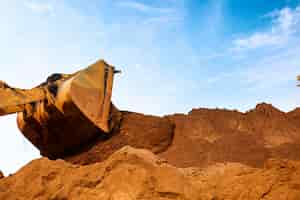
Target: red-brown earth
[[205, 136], [139, 174], [205, 154]]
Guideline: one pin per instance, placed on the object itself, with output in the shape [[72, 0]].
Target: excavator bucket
[[91, 91], [14, 100], [66, 111]]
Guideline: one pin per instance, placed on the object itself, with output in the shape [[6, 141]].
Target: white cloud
[[284, 23], [258, 40], [166, 13], [163, 19], [265, 74], [145, 7], [39, 7]]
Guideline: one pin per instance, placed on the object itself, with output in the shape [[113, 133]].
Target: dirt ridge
[[205, 136]]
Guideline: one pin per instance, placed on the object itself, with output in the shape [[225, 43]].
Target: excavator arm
[[13, 100]]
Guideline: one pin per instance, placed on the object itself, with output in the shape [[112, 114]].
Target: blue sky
[[174, 54]]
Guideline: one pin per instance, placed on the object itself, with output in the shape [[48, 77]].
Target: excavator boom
[[14, 100]]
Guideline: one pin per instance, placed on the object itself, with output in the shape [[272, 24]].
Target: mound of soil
[[207, 136], [204, 137], [139, 174]]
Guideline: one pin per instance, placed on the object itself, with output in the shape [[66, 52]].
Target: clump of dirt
[[204, 137], [136, 130], [139, 174], [1, 175]]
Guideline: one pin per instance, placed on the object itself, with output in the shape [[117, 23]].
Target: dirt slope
[[205, 136], [131, 174]]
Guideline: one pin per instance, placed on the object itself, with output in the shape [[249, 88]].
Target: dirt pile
[[138, 174], [207, 154], [1, 175], [204, 137]]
